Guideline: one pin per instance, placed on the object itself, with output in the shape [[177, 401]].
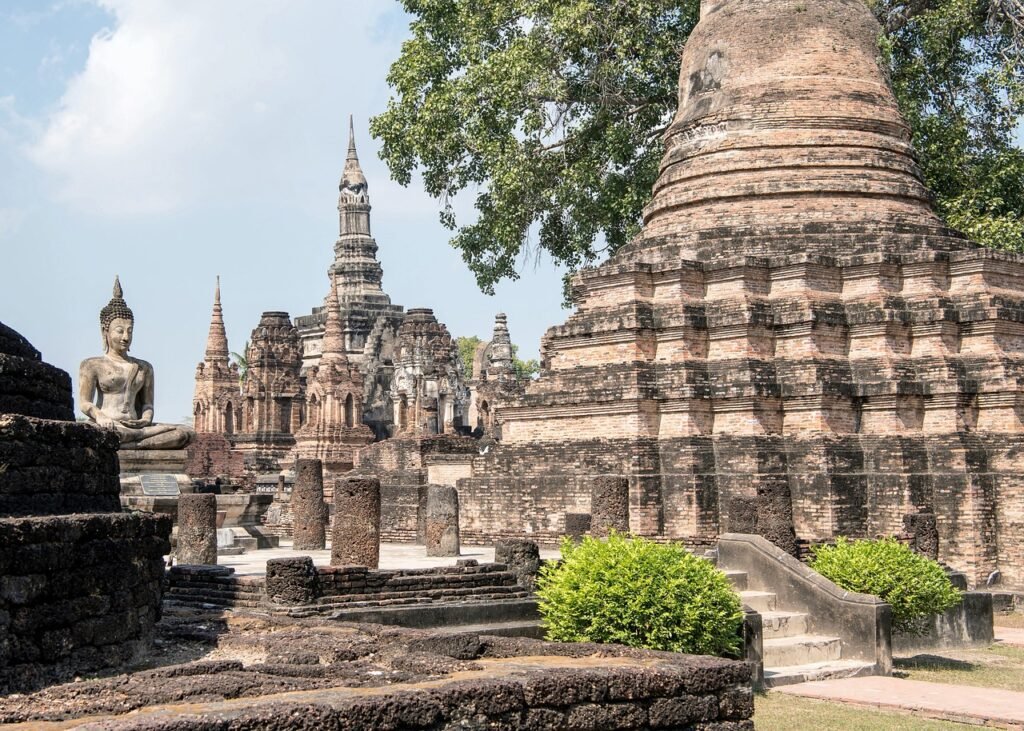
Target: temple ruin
[[795, 345], [355, 370]]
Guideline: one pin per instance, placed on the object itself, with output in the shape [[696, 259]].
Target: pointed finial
[[351, 139], [118, 294], [216, 292]]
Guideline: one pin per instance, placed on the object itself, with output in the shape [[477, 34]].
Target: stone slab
[[138, 461], [156, 485], [990, 706]]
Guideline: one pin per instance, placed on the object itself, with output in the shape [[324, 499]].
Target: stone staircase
[[793, 653], [212, 587], [509, 617]]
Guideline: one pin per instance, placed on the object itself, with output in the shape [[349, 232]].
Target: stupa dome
[[787, 124]]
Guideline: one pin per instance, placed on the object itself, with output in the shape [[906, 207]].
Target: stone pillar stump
[[609, 505], [923, 531], [522, 558], [197, 529], [292, 581], [309, 511], [441, 535], [355, 539]]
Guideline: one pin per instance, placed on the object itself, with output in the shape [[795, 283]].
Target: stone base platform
[[79, 593], [139, 463]]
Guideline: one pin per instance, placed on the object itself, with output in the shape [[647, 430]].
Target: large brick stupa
[[795, 345]]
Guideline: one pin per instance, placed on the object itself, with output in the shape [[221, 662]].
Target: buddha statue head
[[117, 322]]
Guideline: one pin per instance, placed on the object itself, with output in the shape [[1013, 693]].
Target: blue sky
[[169, 142]]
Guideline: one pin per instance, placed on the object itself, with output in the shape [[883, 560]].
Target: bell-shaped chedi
[[795, 345], [788, 138]]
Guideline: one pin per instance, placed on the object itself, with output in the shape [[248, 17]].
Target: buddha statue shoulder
[[115, 390]]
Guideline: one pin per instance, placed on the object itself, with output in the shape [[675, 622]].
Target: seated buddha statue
[[115, 390]]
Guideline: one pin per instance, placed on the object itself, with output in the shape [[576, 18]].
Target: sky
[[169, 142]]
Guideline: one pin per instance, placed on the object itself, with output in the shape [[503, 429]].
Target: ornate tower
[[333, 430], [355, 269], [493, 379], [272, 391], [216, 405], [427, 388]]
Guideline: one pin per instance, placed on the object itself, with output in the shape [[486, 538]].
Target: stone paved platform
[[979, 706], [392, 556], [1009, 636]]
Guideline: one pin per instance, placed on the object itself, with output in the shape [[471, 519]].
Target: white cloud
[[187, 100]]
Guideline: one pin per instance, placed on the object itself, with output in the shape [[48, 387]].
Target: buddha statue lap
[[116, 390]]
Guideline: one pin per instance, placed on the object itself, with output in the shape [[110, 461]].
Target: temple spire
[[333, 349], [352, 141], [217, 340]]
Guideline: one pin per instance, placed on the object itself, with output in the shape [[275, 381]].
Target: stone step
[[792, 674], [225, 591], [738, 579], [434, 594], [759, 601], [801, 650], [445, 614], [200, 602], [525, 628], [780, 624], [221, 596], [411, 599]]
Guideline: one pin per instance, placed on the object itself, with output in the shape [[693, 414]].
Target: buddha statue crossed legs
[[115, 390]]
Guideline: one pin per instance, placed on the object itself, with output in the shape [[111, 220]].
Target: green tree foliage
[[915, 586], [552, 112], [467, 351], [957, 67], [243, 364], [635, 592], [524, 369]]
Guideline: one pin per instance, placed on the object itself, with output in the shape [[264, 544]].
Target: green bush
[[635, 592], [916, 587]]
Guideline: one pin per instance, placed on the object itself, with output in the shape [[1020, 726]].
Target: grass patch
[[778, 712], [993, 667], [1015, 620]]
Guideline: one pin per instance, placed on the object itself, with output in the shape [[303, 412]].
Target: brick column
[[309, 511], [355, 539], [197, 529], [609, 505], [442, 528]]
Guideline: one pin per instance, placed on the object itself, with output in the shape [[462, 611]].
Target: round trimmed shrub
[[635, 592], [915, 586]]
